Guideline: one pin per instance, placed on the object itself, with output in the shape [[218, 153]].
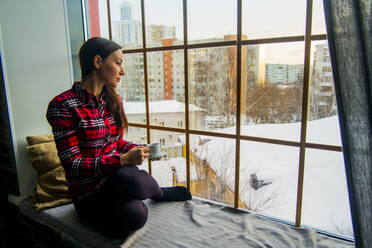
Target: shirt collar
[[86, 96]]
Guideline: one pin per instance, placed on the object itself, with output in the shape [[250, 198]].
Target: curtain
[[349, 36]]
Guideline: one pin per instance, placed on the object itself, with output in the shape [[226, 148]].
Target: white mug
[[155, 150]]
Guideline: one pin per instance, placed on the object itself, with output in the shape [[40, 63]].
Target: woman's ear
[[97, 61]]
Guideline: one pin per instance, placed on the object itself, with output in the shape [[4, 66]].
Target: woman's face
[[111, 70]]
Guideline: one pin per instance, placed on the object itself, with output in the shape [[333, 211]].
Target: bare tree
[[271, 103], [215, 83]]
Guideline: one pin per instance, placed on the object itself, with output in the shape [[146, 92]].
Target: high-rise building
[[126, 11], [127, 31], [132, 87], [322, 87], [155, 75], [212, 74], [283, 73], [156, 33]]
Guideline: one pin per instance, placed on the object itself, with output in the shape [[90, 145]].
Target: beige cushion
[[51, 188], [43, 157], [37, 139]]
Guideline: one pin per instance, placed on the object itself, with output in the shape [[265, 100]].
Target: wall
[[35, 49]]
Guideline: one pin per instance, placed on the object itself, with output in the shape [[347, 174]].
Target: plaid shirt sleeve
[[65, 135]]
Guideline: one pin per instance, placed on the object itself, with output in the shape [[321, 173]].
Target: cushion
[[37, 139], [43, 157], [51, 188]]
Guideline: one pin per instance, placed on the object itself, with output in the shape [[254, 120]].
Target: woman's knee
[[136, 179], [123, 176], [125, 173], [134, 214], [131, 183]]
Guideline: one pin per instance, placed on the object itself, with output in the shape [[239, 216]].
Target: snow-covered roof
[[163, 106]]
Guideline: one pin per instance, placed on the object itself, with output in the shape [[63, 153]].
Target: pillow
[[37, 139], [51, 188], [43, 157]]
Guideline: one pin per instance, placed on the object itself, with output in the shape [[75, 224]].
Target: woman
[[88, 122]]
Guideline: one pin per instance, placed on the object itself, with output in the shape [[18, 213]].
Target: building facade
[[169, 113], [127, 31], [323, 100], [283, 73]]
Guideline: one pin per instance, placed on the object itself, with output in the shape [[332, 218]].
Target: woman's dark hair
[[103, 48]]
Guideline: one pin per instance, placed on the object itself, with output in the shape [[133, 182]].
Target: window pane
[[166, 88], [211, 20], [319, 25], [268, 179], [97, 20], [76, 32], [132, 88], [214, 162], [164, 27], [212, 89], [325, 196], [169, 171], [323, 126], [136, 135], [273, 18], [271, 91], [126, 24]]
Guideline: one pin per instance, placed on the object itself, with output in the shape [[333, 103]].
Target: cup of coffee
[[155, 150]]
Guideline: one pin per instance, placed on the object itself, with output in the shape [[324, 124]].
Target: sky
[[215, 18]]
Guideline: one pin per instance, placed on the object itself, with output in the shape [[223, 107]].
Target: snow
[[162, 170], [325, 196], [163, 106]]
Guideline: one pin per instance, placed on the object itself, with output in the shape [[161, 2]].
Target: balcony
[[326, 94], [326, 84]]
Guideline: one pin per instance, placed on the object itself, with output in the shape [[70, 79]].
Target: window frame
[[307, 38]]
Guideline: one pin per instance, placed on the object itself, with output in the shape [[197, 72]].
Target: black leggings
[[117, 206]]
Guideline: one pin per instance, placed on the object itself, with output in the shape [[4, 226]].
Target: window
[[76, 33], [248, 93]]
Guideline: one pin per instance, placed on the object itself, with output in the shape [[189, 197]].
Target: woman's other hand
[[135, 156]]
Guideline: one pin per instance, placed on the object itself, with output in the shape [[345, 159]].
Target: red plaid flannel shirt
[[87, 138]]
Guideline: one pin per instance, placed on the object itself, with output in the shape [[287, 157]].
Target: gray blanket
[[195, 223], [198, 224]]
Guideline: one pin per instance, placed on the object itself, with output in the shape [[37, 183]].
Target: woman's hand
[[135, 156]]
